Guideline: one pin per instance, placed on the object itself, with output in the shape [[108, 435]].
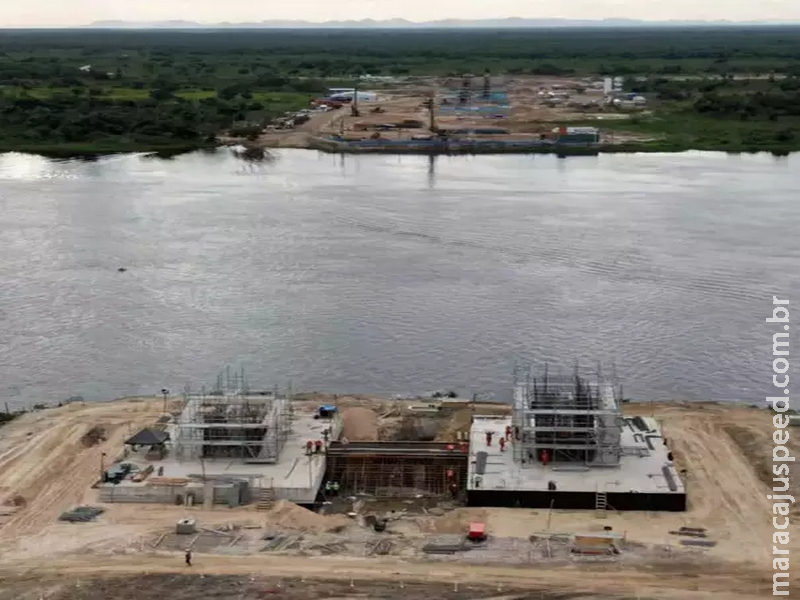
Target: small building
[[153, 439], [577, 136]]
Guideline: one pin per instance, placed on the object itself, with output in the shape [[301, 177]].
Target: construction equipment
[[476, 532]]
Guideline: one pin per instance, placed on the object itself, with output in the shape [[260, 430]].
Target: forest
[[112, 90]]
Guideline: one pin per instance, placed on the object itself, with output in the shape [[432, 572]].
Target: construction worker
[[508, 432], [309, 447], [545, 457], [188, 557], [335, 487], [454, 490], [489, 438], [502, 442], [516, 433], [328, 488], [318, 447]]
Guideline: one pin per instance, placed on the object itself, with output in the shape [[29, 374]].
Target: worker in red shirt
[[545, 457], [318, 446], [309, 447], [508, 432], [502, 442]]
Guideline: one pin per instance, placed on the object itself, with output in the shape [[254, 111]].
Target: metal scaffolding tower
[[565, 418], [232, 422]]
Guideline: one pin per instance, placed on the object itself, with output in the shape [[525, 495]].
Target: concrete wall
[[160, 494]]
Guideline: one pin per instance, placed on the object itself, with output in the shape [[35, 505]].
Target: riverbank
[[533, 147], [92, 150]]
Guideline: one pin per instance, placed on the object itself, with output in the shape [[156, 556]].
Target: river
[[393, 275]]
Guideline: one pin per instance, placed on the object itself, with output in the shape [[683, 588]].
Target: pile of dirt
[[291, 516], [455, 521], [417, 429], [94, 436], [15, 500], [359, 424]]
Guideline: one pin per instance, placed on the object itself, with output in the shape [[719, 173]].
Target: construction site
[[384, 495], [567, 445], [473, 113], [228, 446]]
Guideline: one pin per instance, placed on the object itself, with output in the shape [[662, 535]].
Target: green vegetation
[[8, 417], [174, 90], [726, 114]]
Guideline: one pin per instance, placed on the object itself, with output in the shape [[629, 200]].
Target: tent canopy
[[148, 437]]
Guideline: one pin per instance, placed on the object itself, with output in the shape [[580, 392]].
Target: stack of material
[[594, 545], [81, 514], [176, 481], [694, 532], [143, 474], [444, 548]]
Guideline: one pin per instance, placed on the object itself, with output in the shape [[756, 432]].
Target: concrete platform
[[638, 483], [295, 477]]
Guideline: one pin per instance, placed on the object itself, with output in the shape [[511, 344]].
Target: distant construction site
[[472, 113], [567, 475]]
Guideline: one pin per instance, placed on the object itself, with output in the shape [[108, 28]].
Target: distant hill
[[510, 23]]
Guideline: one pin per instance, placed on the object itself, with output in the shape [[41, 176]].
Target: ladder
[[266, 499], [601, 503]]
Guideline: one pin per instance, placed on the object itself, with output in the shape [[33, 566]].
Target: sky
[[55, 13]]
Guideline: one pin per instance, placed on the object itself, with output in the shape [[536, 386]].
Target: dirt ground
[[47, 465]]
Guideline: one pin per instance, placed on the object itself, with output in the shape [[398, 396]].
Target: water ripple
[[389, 274]]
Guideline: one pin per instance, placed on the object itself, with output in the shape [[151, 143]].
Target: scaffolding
[[398, 469], [476, 95], [232, 422], [565, 418]]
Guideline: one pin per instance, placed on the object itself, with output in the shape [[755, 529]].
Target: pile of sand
[[289, 515], [359, 424], [458, 520]]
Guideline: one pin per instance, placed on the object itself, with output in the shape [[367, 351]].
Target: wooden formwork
[[391, 471]]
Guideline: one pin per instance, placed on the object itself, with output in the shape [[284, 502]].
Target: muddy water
[[392, 274]]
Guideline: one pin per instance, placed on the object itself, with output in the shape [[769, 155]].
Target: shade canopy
[[148, 437]]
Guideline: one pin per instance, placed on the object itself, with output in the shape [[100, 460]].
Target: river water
[[391, 274]]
